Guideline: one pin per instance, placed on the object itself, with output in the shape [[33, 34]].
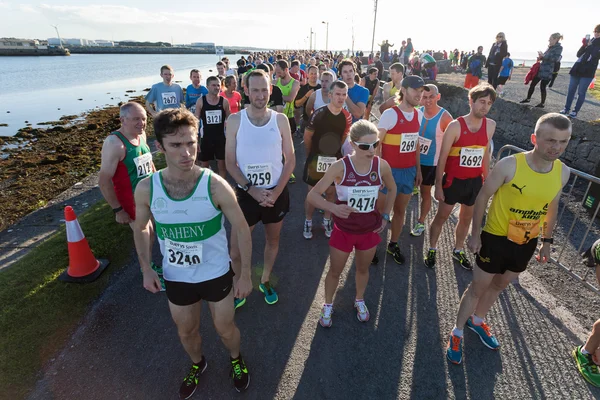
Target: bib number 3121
[[363, 198]]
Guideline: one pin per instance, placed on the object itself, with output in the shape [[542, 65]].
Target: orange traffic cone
[[83, 266], [593, 84]]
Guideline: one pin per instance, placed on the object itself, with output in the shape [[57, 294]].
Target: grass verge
[[39, 312], [595, 92]]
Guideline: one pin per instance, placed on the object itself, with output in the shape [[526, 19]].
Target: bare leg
[[498, 284], [444, 211], [463, 226], [187, 319], [593, 342], [425, 202], [399, 214], [330, 197], [272, 232], [470, 298], [223, 313], [222, 168], [234, 254], [362, 258], [337, 261], [309, 209]]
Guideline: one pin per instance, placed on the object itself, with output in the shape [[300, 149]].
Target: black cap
[[592, 256], [415, 82]]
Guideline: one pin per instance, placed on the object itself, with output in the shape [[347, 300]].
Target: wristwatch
[[386, 217], [548, 240], [245, 187], [118, 209]]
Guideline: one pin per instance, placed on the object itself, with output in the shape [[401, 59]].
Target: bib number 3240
[[183, 254], [363, 198], [471, 158], [260, 175]]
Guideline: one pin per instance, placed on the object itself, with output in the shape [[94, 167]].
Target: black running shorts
[[212, 147], [463, 191], [255, 213], [498, 254], [214, 290], [428, 173]]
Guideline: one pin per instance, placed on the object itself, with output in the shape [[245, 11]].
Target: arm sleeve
[[151, 96], [388, 119]]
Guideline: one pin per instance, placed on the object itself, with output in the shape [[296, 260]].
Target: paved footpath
[[127, 346]]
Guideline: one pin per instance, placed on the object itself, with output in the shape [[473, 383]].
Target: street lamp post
[[326, 35]]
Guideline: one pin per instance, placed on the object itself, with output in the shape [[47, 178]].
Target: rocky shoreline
[[37, 164]]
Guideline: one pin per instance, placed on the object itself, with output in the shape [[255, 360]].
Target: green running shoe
[[270, 293], [462, 259], [240, 374], [586, 366], [430, 259], [292, 179], [415, 190], [418, 229], [190, 382], [237, 303]]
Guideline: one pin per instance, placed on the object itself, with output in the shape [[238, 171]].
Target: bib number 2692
[[471, 158]]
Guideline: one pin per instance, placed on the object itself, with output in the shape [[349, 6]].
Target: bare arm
[[292, 96], [390, 184], [141, 231], [233, 124], [226, 108], [450, 137], [356, 109], [113, 151], [288, 154], [199, 105], [308, 134], [487, 158], [310, 104], [150, 108], [551, 215], [300, 102]]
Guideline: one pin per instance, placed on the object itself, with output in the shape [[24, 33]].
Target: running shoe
[[454, 350], [586, 366], [461, 257], [325, 318], [307, 231], [564, 111], [375, 259], [541, 105], [190, 382], [328, 226], [237, 303], [292, 179], [415, 190], [394, 250], [159, 271], [270, 293], [362, 312], [240, 374], [484, 334], [430, 259], [524, 101], [418, 229], [573, 114]]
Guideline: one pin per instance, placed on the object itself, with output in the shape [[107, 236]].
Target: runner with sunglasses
[[358, 177]]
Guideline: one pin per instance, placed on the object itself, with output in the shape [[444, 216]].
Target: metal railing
[[572, 206]]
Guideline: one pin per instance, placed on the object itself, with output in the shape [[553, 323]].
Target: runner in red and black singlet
[[357, 222], [462, 167]]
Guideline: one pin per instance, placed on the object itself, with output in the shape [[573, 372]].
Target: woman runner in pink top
[[234, 98]]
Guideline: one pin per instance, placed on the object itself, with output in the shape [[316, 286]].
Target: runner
[[475, 65], [126, 160], [221, 70], [525, 190], [289, 88], [212, 110], [357, 178], [194, 91], [431, 133], [164, 94], [391, 89], [358, 96], [228, 70], [304, 94], [399, 134], [258, 139], [193, 244], [275, 98], [233, 97], [323, 139], [463, 164], [371, 82], [320, 97], [585, 355]]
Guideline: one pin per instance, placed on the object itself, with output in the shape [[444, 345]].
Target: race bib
[[521, 232], [471, 158], [323, 163], [182, 254], [408, 144], [213, 117], [425, 145], [260, 175], [169, 98], [143, 164], [363, 198]]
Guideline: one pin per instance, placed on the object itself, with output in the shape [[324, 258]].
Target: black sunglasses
[[367, 146]]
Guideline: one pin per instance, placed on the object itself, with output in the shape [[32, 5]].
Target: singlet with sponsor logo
[[258, 151], [430, 139], [519, 206], [213, 118], [465, 159], [288, 109], [136, 165], [399, 147], [190, 232], [359, 191]]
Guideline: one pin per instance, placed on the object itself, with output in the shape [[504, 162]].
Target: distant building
[[104, 43], [69, 42], [204, 46], [14, 43]]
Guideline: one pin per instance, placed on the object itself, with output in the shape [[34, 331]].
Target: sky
[[287, 25]]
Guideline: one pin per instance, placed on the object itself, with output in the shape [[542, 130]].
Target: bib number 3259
[[471, 158], [260, 175], [182, 254], [363, 198]]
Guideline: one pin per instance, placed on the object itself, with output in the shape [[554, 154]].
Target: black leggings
[[543, 85], [493, 71]]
